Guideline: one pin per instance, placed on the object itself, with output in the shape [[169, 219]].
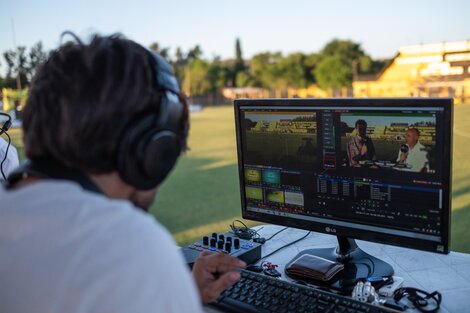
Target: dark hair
[[361, 122], [84, 97]]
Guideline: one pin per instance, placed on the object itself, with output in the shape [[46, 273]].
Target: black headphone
[[7, 124], [3, 130], [148, 148], [422, 300], [151, 143]]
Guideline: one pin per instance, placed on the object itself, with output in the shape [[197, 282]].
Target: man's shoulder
[[76, 209], [420, 147]]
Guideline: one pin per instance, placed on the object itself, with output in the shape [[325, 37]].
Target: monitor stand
[[358, 265]]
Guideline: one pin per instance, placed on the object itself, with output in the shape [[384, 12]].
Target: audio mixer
[[246, 250]]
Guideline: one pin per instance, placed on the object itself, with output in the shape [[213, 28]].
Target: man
[[413, 154], [360, 146], [103, 125]]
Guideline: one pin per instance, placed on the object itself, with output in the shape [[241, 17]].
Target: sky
[[381, 27]]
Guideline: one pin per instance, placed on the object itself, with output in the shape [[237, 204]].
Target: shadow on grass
[[460, 191], [460, 230]]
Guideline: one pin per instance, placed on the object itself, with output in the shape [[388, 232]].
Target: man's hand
[[213, 273]]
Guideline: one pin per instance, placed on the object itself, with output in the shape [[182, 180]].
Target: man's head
[[90, 104], [361, 127], [412, 136]]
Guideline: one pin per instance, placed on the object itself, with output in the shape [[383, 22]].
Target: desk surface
[[449, 274]]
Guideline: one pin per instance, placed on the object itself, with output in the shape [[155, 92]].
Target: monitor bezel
[[419, 244]]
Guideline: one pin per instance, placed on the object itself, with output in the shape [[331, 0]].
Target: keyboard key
[[260, 293]]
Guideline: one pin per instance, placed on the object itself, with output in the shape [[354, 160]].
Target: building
[[432, 70]]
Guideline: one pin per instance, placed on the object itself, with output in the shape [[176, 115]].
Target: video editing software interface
[[364, 168]]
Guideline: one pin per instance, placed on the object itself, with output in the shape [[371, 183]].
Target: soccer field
[[202, 194]]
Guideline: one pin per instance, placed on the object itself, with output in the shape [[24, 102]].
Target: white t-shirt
[[64, 249], [417, 157], [12, 161]]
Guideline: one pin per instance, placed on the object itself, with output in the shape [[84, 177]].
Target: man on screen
[[360, 147], [413, 154]]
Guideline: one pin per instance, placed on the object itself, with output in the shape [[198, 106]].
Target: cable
[[3, 130], [5, 157], [276, 233], [422, 300], [285, 246], [244, 232]]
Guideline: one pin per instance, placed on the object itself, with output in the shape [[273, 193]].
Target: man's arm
[[352, 152]]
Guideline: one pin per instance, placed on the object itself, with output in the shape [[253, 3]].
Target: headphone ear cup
[[131, 149], [160, 156], [147, 154]]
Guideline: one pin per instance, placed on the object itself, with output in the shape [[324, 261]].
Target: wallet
[[314, 267]]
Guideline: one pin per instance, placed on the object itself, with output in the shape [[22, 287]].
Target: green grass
[[460, 224], [202, 194]]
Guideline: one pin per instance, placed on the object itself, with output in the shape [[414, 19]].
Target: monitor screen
[[370, 169]]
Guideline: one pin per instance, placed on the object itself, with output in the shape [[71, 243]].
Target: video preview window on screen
[[280, 149], [294, 159], [401, 141]]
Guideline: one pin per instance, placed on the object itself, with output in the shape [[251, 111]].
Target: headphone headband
[[152, 143]]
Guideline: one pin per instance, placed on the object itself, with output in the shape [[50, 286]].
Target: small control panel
[[228, 243]]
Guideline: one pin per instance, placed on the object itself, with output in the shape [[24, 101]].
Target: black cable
[[276, 233], [285, 246], [5, 157], [421, 299], [243, 232]]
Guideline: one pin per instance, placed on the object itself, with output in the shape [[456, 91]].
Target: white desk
[[449, 274]]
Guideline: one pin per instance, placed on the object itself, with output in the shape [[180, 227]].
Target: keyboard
[[260, 293]]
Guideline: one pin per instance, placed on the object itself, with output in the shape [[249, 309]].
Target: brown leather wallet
[[313, 267]]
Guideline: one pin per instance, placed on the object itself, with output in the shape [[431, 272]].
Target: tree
[[182, 66], [244, 79], [36, 57], [334, 72], [292, 73], [17, 65], [164, 52], [264, 69], [345, 48], [310, 63], [239, 65], [354, 53], [218, 75], [197, 78], [194, 53]]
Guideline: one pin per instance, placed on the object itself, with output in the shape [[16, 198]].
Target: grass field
[[202, 194]]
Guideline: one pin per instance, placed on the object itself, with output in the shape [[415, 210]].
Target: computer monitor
[[369, 169]]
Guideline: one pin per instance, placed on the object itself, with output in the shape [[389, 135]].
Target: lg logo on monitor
[[330, 230]]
